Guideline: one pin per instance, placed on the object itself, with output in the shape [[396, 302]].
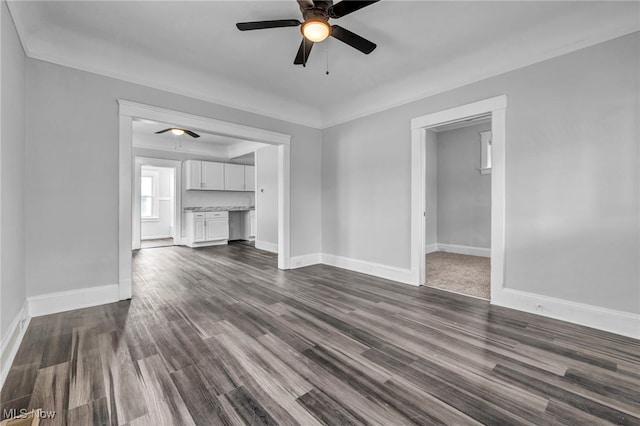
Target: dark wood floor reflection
[[221, 336]]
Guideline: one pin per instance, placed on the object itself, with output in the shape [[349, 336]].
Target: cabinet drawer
[[213, 215], [199, 215]]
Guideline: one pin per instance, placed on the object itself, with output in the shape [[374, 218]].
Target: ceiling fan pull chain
[[327, 43]]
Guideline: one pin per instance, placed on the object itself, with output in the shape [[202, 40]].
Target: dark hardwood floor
[[220, 336]]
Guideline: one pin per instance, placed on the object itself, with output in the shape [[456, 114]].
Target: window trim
[[155, 201]]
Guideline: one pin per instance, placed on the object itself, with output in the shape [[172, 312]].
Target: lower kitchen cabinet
[[207, 228], [252, 224]]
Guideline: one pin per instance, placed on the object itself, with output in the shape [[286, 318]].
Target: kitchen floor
[[162, 242]]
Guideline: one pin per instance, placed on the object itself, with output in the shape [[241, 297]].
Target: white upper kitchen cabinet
[[194, 174], [234, 177], [249, 178], [213, 176], [204, 175]]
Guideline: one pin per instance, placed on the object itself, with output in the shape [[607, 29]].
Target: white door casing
[[495, 106], [126, 165], [177, 197]]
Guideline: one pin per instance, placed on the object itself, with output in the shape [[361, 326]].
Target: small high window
[[485, 152]]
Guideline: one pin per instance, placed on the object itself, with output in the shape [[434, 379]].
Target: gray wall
[[72, 173], [267, 196], [431, 187], [12, 173], [464, 195], [572, 177]]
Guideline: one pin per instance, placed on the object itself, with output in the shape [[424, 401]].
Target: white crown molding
[[400, 92], [301, 117], [411, 88], [293, 115]]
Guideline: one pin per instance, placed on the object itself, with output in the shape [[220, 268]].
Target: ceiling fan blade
[[303, 52], [192, 134], [352, 39], [261, 25], [346, 7], [162, 131]]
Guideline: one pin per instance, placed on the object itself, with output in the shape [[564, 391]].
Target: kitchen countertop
[[220, 209]]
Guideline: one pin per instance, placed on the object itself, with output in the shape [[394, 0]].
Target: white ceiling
[[424, 47], [208, 144]]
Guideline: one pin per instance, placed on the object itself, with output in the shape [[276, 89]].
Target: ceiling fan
[[178, 131], [316, 28]]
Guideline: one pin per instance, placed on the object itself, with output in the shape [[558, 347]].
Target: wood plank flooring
[[220, 336]]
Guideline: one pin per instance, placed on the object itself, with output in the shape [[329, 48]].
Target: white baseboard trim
[[52, 303], [155, 237], [431, 248], [266, 246], [619, 322], [305, 260], [11, 341], [393, 273], [472, 251], [207, 243]]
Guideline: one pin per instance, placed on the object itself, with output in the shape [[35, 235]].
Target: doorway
[[458, 206], [157, 203], [495, 108], [130, 111]]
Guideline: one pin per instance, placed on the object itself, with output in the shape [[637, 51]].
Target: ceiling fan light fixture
[[315, 29], [177, 132]]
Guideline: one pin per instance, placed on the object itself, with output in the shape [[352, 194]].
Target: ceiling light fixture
[[177, 132], [315, 29]]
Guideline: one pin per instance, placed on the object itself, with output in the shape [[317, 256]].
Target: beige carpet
[[460, 273]]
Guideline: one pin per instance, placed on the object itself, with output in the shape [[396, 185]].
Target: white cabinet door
[[234, 177], [199, 230], [217, 229], [212, 175], [193, 172], [249, 178]]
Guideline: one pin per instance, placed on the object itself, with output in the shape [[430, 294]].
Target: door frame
[[495, 106], [177, 197], [127, 112]]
